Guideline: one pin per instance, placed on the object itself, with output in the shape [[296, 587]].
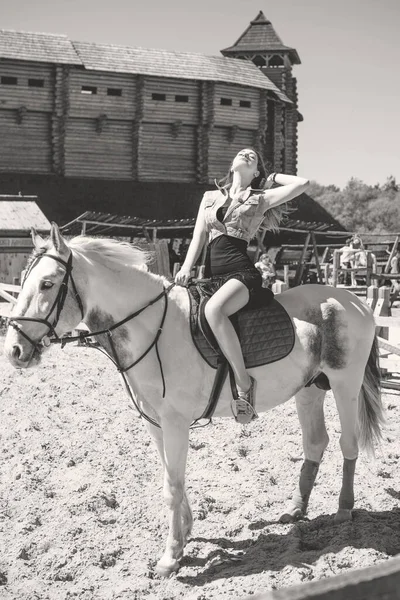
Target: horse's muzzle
[[21, 356]]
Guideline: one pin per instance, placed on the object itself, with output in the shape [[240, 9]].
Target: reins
[[83, 337]]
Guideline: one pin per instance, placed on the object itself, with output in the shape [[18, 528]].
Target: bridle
[[57, 305], [84, 337]]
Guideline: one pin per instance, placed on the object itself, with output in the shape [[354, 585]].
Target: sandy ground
[[81, 509]]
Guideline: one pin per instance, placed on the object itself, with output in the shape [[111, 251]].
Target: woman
[[231, 216]]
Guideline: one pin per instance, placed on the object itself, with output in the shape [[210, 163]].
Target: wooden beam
[[300, 266], [386, 346], [319, 271], [7, 296], [391, 255]]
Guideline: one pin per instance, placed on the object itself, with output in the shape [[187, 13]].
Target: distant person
[[346, 254], [267, 270], [395, 270], [174, 253]]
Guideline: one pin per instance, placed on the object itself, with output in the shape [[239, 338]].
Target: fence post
[[326, 273], [382, 309], [372, 296], [336, 267], [279, 286], [286, 274], [370, 264]]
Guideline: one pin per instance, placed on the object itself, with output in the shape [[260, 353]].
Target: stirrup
[[243, 406]]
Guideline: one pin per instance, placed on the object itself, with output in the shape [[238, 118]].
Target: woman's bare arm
[[291, 187]]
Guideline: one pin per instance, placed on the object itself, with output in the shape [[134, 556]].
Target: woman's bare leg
[[231, 297]]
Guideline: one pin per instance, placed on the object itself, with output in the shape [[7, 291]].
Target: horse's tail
[[370, 409]]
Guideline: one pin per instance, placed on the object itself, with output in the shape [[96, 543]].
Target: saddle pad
[[266, 332]]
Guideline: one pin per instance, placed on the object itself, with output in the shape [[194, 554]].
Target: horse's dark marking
[[98, 320], [328, 342]]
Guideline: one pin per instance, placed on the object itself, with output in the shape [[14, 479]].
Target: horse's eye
[[46, 285]]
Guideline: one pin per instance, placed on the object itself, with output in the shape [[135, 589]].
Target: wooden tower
[[261, 45]]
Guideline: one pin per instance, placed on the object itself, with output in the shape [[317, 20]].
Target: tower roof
[[260, 36]]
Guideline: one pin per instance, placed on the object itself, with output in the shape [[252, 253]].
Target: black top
[[226, 253]]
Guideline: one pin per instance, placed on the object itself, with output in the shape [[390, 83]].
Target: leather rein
[[84, 337]]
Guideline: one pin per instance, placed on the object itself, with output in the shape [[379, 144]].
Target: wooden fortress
[[110, 127]]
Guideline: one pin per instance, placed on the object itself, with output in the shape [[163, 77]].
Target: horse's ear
[[37, 239], [57, 239]]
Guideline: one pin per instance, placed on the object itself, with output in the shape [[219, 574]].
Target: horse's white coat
[[334, 334]]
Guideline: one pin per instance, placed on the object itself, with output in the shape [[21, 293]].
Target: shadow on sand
[[301, 546]]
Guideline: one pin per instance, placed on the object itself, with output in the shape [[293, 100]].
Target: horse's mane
[[110, 250], [101, 250]]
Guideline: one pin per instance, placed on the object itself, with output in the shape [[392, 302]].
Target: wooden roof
[[97, 223], [37, 47], [44, 47], [180, 65], [17, 217], [260, 36]]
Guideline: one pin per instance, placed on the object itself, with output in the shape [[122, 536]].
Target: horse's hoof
[[291, 516], [343, 515], [165, 567]]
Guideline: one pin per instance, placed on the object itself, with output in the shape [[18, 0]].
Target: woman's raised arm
[[291, 186]]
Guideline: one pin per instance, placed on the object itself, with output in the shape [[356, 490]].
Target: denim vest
[[242, 219]]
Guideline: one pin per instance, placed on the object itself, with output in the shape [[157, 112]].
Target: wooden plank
[[390, 385], [300, 266], [390, 364], [392, 253], [316, 258], [7, 296], [386, 346], [10, 287], [387, 321], [380, 582]]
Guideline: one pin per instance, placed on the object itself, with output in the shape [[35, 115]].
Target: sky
[[348, 82]]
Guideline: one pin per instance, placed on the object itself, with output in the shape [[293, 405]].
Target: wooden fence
[[9, 293]]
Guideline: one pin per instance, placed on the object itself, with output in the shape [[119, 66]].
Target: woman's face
[[246, 161]]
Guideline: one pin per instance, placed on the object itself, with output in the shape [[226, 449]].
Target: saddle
[[264, 328]]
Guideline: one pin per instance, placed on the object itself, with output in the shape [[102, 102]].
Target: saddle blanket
[[265, 329]]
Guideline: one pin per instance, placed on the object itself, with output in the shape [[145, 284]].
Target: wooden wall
[[12, 264], [26, 104], [105, 125]]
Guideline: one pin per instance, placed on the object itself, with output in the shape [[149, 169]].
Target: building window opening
[[89, 90], [180, 98], [37, 83], [114, 92], [159, 97], [244, 103], [276, 61], [5, 80], [259, 61], [226, 101]]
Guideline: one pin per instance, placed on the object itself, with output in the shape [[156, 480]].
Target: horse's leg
[[176, 442], [187, 515], [346, 390], [310, 409]]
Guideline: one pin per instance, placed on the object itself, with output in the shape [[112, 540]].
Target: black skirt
[[227, 259]]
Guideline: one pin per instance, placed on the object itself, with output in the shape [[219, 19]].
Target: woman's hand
[[183, 276]]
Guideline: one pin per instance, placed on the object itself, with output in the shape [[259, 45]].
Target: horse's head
[[48, 304]]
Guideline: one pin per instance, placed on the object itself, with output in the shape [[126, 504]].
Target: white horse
[[103, 281]]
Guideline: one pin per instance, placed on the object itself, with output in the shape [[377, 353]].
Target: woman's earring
[[256, 174]]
